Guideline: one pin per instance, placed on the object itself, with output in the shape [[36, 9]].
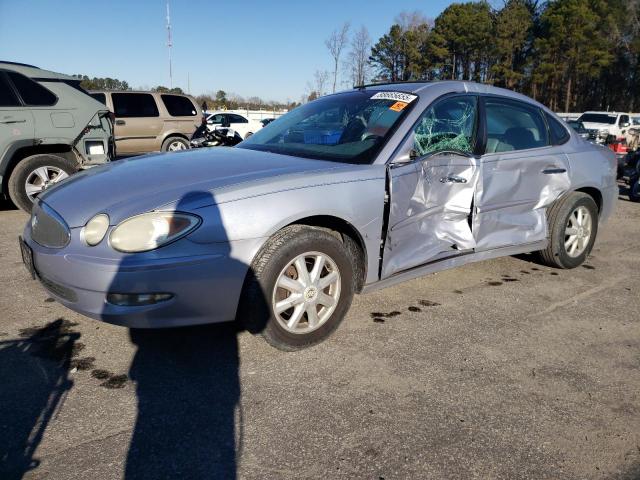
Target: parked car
[[350, 193], [49, 128], [151, 121], [579, 128], [239, 123], [601, 125]]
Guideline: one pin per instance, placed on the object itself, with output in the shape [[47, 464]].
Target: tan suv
[[151, 121]]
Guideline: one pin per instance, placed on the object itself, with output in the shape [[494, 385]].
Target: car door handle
[[120, 122], [551, 171], [453, 179], [13, 121]]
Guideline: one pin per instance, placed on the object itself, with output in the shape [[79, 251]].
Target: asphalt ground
[[500, 369]]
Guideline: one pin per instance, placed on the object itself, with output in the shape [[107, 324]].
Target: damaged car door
[[522, 173], [432, 183]]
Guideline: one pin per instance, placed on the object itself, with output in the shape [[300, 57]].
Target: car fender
[[359, 203]]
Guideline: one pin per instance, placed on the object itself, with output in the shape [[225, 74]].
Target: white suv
[[603, 124], [239, 123]]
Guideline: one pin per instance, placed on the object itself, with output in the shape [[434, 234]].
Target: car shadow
[[36, 368], [187, 386], [188, 394]]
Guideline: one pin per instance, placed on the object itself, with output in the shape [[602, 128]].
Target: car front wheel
[[35, 174], [573, 226], [299, 287]]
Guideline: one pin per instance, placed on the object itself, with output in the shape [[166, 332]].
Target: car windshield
[[576, 125], [348, 127], [598, 118]]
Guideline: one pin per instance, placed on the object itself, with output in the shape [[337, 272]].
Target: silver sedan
[[347, 194]]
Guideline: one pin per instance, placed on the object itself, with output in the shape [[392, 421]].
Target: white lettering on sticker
[[396, 96]]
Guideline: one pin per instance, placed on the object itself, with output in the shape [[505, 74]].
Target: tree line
[[572, 55]]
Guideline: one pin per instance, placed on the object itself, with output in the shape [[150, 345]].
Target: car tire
[[37, 171], [634, 189], [572, 220], [275, 263], [174, 144]]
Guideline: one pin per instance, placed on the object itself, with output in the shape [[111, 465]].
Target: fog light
[[137, 299]]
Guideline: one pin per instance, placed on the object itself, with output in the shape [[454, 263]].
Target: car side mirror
[[226, 123]]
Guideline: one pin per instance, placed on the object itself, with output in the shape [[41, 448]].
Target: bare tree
[[411, 20], [357, 63], [335, 44], [319, 83]]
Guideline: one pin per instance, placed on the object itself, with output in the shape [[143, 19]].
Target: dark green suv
[[49, 129]]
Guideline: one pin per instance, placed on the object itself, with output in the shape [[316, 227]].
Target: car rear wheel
[[573, 226], [634, 189], [35, 174], [299, 287], [174, 144]]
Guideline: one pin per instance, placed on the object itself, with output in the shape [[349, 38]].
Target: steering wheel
[[370, 135]]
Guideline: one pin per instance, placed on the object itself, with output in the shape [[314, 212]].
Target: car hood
[[188, 180]]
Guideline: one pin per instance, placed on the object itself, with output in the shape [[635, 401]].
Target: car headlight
[[152, 230], [93, 232]]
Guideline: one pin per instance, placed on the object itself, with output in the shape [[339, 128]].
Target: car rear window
[[134, 105], [7, 97], [32, 93], [101, 97], [179, 106]]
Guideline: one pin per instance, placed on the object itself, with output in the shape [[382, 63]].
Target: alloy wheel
[[41, 179], [306, 292], [175, 146], [577, 232]]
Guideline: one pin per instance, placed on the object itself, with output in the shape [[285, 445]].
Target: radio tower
[[169, 44]]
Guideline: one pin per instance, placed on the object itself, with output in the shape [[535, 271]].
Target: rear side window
[[32, 93], [178, 106], [236, 118], [513, 125], [101, 97], [134, 105], [7, 97], [559, 134]]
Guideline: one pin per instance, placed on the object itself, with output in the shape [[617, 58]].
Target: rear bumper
[[204, 288]]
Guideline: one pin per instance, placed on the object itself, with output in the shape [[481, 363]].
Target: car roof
[[417, 87], [34, 72], [140, 91], [605, 113]]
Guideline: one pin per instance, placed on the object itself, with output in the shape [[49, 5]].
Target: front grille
[[48, 228], [59, 290]]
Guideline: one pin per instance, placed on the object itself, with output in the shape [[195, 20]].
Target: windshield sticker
[[397, 96], [398, 106]]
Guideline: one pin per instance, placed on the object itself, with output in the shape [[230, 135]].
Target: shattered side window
[[447, 125]]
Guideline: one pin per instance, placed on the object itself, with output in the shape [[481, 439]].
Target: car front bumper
[[205, 288]]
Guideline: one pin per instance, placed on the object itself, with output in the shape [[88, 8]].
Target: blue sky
[[266, 48]]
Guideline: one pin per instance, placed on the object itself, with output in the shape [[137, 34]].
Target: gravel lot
[[501, 369]]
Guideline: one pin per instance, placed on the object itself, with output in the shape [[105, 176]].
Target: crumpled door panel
[[513, 195], [429, 214]]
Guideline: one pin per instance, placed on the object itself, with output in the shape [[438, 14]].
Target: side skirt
[[452, 262]]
